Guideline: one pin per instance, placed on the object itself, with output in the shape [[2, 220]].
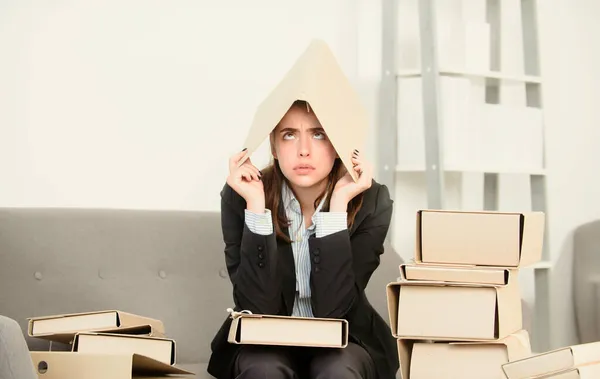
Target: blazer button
[[260, 247], [317, 259], [316, 252], [261, 264], [317, 269], [261, 256]]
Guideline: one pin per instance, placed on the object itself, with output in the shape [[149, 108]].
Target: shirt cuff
[[330, 222], [259, 223]]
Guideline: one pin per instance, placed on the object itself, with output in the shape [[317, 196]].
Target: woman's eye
[[288, 136], [319, 135]]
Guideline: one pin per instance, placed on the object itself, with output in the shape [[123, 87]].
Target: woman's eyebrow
[[292, 130]]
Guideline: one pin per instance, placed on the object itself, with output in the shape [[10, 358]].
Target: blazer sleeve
[[341, 266], [251, 259]]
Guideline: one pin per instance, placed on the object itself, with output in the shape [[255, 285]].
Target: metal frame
[[387, 140], [431, 105], [387, 128]]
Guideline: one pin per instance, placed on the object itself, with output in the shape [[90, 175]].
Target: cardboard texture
[[62, 328], [67, 365], [553, 361], [455, 274], [317, 78], [425, 359], [453, 312], [160, 349], [591, 371], [499, 239], [288, 331]]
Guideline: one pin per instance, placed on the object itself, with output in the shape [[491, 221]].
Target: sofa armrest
[[15, 359]]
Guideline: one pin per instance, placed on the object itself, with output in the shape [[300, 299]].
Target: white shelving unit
[[461, 95]]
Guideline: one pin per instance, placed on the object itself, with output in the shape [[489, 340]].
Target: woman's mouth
[[303, 169]]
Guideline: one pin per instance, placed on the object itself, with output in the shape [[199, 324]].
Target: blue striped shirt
[[323, 224]]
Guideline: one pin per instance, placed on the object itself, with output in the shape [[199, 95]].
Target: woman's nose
[[304, 148]]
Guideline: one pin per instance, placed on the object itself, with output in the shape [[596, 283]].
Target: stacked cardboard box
[[572, 362], [104, 344], [456, 310]]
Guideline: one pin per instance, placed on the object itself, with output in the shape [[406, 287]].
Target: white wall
[[570, 61], [138, 104]]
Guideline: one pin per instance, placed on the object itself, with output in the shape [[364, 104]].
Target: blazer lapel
[[288, 267]]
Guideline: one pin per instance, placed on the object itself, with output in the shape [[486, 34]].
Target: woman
[[302, 238]]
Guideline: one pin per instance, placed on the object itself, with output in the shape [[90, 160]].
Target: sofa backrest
[[586, 281], [163, 264]]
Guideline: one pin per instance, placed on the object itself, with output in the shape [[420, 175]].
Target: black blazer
[[261, 269]]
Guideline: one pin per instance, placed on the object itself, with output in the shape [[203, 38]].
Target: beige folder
[[69, 365], [288, 331], [63, 327]]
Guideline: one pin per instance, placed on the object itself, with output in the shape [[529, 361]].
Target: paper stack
[[572, 362], [456, 310], [104, 344]]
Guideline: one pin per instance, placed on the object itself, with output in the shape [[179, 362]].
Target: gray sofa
[[164, 264]]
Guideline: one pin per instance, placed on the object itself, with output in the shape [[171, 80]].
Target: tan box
[[68, 365], [453, 312], [499, 239], [591, 371], [456, 274], [288, 331], [422, 359], [554, 361], [63, 327]]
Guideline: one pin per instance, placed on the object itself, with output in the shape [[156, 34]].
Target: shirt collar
[[290, 202]]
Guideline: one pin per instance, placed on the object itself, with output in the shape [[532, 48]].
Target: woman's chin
[[305, 181]]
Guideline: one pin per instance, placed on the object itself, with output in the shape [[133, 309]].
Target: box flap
[[393, 294], [143, 365], [510, 311], [68, 365], [518, 344]]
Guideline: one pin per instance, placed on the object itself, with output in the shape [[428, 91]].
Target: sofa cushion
[[164, 264]]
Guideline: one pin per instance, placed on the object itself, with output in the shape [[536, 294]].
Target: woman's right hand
[[246, 181]]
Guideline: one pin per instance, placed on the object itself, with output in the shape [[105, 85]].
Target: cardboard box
[[591, 371], [553, 361], [288, 331], [456, 274], [453, 312], [499, 239], [63, 327], [68, 365], [424, 359]]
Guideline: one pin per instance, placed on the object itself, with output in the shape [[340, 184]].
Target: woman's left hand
[[346, 188]]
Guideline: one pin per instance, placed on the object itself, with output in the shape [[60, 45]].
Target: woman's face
[[305, 154]]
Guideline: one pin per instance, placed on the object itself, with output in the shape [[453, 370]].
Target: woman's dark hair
[[273, 180]]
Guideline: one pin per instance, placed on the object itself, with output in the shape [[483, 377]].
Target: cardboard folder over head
[[316, 78]]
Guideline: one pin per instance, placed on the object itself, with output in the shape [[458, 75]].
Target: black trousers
[[275, 362]]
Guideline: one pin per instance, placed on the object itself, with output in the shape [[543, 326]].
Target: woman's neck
[[306, 196]]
